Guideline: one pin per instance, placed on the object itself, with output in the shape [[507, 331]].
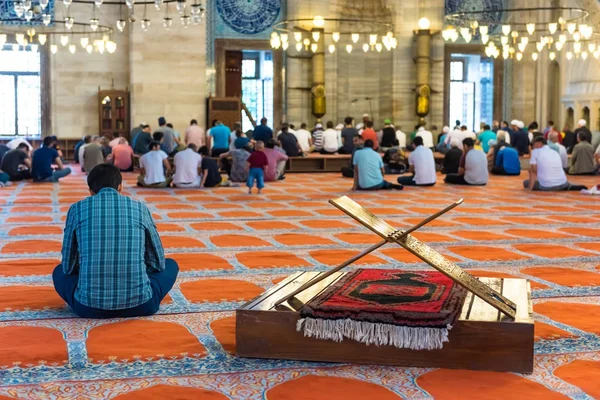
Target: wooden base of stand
[[482, 339]]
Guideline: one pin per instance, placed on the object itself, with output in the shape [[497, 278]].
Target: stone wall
[[75, 78]]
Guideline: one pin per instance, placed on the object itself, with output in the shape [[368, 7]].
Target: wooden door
[[233, 73]]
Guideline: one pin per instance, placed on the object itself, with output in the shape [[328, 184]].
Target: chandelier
[[312, 35], [526, 30], [31, 23]]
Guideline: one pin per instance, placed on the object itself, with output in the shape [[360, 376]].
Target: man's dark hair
[[270, 143], [143, 127], [162, 121], [170, 125], [469, 142], [540, 139], [584, 137], [104, 176], [193, 147], [329, 124], [369, 124], [534, 125], [48, 140], [487, 127], [551, 123], [158, 136], [203, 151], [292, 126], [116, 135], [87, 139], [369, 143], [263, 121], [153, 144], [303, 125], [418, 141], [214, 122], [463, 128], [23, 146], [193, 122], [348, 120]]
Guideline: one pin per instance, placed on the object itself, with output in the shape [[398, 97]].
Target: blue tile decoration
[[249, 16], [9, 17]]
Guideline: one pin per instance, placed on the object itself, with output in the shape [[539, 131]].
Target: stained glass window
[[20, 93]]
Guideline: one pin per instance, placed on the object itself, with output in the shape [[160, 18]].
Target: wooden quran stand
[[492, 333]]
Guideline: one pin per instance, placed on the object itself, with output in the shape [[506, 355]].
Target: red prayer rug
[[405, 309]]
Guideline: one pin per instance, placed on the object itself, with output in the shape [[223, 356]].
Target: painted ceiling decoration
[[249, 16]]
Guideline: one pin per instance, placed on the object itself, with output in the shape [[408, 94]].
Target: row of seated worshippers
[[465, 164], [23, 163]]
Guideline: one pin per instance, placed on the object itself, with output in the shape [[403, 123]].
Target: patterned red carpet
[[231, 247]]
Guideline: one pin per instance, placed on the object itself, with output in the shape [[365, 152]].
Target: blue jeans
[[4, 177], [56, 175], [160, 283], [258, 175]]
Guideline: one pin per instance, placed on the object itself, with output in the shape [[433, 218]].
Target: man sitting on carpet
[[188, 165], [422, 166], [277, 160], [129, 275], [473, 169], [17, 163], [545, 171], [152, 168], [452, 158], [211, 177], [41, 163], [369, 170]]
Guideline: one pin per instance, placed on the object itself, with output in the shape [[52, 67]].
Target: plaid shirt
[[111, 242]]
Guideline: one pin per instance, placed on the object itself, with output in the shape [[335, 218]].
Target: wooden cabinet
[[113, 108]]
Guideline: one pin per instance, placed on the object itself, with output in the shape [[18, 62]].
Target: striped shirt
[[111, 242]]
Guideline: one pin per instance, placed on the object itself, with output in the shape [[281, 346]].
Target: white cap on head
[[365, 115], [421, 129], [455, 143], [582, 122], [339, 127], [446, 129], [521, 124], [319, 126], [514, 122]]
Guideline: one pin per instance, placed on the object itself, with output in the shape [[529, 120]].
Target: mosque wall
[[75, 78]]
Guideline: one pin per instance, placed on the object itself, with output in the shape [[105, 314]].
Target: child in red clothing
[[257, 163]]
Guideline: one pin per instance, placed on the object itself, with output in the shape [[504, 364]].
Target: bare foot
[[259, 191], [249, 191]]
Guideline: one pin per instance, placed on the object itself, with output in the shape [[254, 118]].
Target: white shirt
[[401, 136], [302, 135], [455, 134], [152, 162], [13, 144], [550, 171], [476, 168], [564, 157], [81, 150], [330, 140], [427, 138], [424, 163], [187, 163], [232, 138]]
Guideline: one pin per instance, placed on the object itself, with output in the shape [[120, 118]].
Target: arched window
[[570, 118]]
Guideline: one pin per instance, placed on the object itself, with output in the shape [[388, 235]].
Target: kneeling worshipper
[[41, 163], [142, 141], [153, 165], [17, 164], [369, 170], [211, 177], [422, 166], [188, 166], [582, 160], [236, 169], [93, 154], [113, 263], [452, 158], [358, 144], [473, 169], [545, 171], [507, 162], [122, 156]]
